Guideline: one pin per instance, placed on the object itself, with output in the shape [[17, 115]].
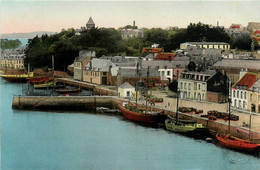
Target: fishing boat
[[182, 126], [48, 84], [21, 78], [68, 91], [139, 114], [38, 80], [234, 142]]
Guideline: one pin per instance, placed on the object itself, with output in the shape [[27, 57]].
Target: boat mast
[[229, 104], [177, 109], [52, 61], [250, 126], [147, 87]]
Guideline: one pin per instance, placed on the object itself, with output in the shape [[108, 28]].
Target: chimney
[[134, 23]]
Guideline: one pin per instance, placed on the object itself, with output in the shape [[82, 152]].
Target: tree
[[243, 42]]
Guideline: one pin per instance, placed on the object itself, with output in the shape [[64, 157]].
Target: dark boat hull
[[236, 143], [139, 117], [67, 91], [15, 79]]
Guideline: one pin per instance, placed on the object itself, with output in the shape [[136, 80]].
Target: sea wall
[[89, 103], [74, 103]]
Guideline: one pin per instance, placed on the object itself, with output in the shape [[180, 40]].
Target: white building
[[240, 91], [125, 90]]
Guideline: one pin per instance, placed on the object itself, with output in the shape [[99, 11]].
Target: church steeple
[[90, 24]]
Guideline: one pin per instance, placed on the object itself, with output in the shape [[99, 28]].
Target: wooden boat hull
[[236, 143], [19, 78], [44, 85], [138, 117], [182, 127], [69, 91], [38, 80]]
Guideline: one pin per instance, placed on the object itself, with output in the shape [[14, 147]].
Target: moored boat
[[38, 80], [68, 91], [17, 77], [183, 126], [49, 84], [236, 143], [139, 114]]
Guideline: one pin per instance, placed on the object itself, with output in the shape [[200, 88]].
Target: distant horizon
[[53, 15]]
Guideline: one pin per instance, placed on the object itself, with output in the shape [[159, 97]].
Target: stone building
[[80, 62], [12, 59], [209, 85], [254, 98], [125, 90]]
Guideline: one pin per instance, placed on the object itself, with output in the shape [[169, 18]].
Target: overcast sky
[[53, 15]]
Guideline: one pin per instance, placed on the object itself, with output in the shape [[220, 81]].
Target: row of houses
[[12, 59], [114, 70]]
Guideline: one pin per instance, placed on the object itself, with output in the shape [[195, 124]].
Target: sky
[[53, 15]]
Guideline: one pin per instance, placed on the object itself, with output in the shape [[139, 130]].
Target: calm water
[[45, 140]]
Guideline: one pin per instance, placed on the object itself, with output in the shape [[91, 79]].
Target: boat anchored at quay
[[140, 114], [234, 142], [182, 126]]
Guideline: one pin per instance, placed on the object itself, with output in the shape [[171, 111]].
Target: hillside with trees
[[65, 46], [10, 44]]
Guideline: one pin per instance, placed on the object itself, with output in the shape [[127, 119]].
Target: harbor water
[[75, 141]]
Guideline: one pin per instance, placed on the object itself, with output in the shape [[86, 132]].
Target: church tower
[[90, 24]]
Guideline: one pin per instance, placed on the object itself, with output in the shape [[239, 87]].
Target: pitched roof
[[256, 86], [163, 64], [238, 64], [206, 43], [90, 21], [257, 32], [125, 85], [247, 80], [165, 56], [130, 73], [102, 65]]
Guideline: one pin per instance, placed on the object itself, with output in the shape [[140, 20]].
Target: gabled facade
[[198, 85], [90, 24], [240, 91], [125, 90], [80, 62], [100, 71]]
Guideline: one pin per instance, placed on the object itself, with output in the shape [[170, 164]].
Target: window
[[235, 103], [237, 94], [241, 95], [184, 85], [195, 85], [234, 93], [189, 86], [203, 87], [104, 73], [199, 86], [202, 96], [189, 95], [244, 104], [128, 93], [181, 85], [162, 73], [194, 95], [201, 77], [251, 96], [197, 77], [239, 103], [177, 73], [168, 73]]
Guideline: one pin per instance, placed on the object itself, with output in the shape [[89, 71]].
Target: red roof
[[235, 26], [257, 32], [256, 38], [165, 56], [248, 80], [152, 50]]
